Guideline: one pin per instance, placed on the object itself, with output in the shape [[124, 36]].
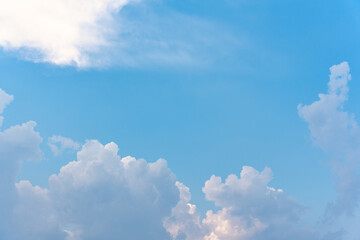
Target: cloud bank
[[101, 195]]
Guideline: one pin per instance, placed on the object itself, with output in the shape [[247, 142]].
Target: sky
[[179, 120]]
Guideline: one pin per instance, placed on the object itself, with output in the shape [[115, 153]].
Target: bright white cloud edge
[[57, 31]]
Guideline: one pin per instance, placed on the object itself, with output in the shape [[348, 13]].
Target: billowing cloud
[[98, 196], [103, 196], [57, 31], [337, 133], [249, 209], [58, 144], [17, 143]]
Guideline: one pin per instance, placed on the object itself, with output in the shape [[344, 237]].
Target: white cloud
[[17, 143], [93, 33], [332, 129], [337, 133], [251, 195], [57, 31], [58, 144], [224, 225], [184, 222], [98, 196], [120, 196], [249, 209]]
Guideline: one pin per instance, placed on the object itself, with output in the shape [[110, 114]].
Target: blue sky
[[210, 86]]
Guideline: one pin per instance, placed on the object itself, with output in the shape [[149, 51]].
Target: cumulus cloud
[[58, 144], [17, 143], [103, 196], [249, 209], [57, 31], [34, 217], [337, 133], [98, 196]]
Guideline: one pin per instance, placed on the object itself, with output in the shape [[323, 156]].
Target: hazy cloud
[[58, 144]]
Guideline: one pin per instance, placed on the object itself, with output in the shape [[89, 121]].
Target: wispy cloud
[[58, 144]]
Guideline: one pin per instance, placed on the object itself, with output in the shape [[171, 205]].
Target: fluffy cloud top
[[103, 196], [332, 129], [57, 31], [249, 209], [98, 196]]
